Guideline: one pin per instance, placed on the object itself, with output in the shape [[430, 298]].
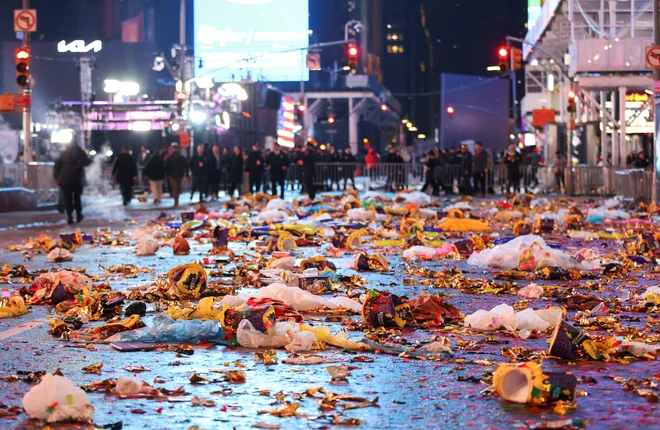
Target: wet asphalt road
[[412, 394]]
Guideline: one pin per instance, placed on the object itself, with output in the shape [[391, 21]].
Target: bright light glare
[[421, 136], [63, 136], [175, 126], [141, 125], [92, 152], [503, 52], [322, 147], [204, 82], [233, 90], [197, 116], [347, 68], [109, 153], [113, 86], [493, 68], [352, 51], [413, 129], [511, 136]]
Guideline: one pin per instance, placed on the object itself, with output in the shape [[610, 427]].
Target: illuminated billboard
[[260, 38], [533, 12]]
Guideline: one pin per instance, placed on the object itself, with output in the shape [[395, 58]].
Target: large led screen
[[260, 37]]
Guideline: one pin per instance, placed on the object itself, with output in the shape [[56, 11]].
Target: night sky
[[467, 33]]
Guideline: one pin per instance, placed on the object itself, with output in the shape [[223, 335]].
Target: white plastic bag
[[146, 245], [505, 316], [278, 204], [507, 255], [283, 263], [249, 337], [58, 255], [269, 216], [57, 399], [302, 341], [129, 385], [415, 252], [531, 291], [416, 197], [360, 214]]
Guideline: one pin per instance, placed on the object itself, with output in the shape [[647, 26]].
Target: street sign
[[25, 20], [22, 100], [653, 57], [313, 61], [7, 103], [540, 117]]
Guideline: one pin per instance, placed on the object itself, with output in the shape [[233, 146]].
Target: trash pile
[[400, 276]]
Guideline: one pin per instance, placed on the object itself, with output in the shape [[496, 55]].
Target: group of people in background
[[473, 172]]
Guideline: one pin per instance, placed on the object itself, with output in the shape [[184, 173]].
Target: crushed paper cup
[[566, 340], [527, 383]]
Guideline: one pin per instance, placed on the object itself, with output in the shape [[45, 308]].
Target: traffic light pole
[[514, 90], [656, 79], [27, 113]]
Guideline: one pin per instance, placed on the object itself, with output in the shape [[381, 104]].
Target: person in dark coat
[[480, 168], [254, 165], [176, 168], [309, 170], [154, 170], [69, 173], [215, 171], [440, 174], [430, 162], [236, 172], [125, 172], [348, 169], [512, 162], [225, 165], [277, 163], [466, 169], [199, 167]]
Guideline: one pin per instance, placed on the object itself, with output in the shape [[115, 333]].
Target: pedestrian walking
[[371, 160], [277, 163], [254, 165], [430, 162], [215, 171], [176, 168], [440, 174], [154, 171], [69, 173], [512, 162], [467, 169], [125, 172], [559, 169], [348, 168], [236, 172], [309, 170], [199, 168], [480, 168]]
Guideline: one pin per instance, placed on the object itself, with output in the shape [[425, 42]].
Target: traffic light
[[300, 112], [331, 119], [353, 53], [571, 102], [180, 98], [503, 57], [450, 111], [23, 57], [516, 59]]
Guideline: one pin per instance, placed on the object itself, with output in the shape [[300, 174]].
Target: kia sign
[[265, 39], [79, 46]]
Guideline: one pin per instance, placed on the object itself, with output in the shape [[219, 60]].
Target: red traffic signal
[[503, 52], [23, 67], [571, 95], [180, 98], [571, 108], [383, 107], [301, 108], [331, 120], [450, 110], [503, 57], [353, 58]]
